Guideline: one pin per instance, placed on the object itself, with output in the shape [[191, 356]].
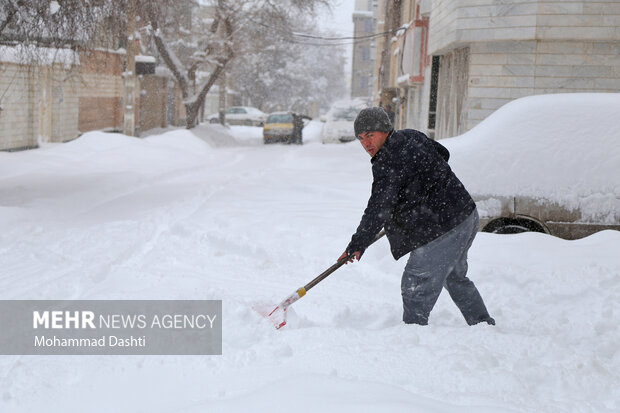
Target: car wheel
[[514, 226], [215, 120]]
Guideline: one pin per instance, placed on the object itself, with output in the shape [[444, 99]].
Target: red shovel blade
[[277, 315]]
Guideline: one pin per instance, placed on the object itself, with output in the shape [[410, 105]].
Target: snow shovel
[[278, 315]]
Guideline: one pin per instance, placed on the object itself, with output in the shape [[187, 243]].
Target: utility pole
[[222, 96], [222, 76], [129, 118], [392, 22]]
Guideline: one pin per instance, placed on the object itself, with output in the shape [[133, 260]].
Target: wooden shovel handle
[[337, 265]]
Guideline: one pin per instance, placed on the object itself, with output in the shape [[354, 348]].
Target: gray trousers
[[442, 263]]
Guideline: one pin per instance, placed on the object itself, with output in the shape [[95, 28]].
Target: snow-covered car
[[241, 115], [338, 122], [548, 163]]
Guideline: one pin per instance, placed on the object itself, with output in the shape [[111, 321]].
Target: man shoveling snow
[[425, 211]]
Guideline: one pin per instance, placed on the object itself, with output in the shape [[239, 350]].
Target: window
[[280, 118], [432, 107], [368, 26], [365, 54]]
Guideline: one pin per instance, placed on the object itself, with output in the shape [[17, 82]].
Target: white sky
[[340, 18]]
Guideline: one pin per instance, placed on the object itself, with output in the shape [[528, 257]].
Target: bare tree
[[212, 37], [291, 74], [195, 40], [52, 23], [44, 32]]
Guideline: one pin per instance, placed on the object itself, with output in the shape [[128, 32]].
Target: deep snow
[[204, 215]]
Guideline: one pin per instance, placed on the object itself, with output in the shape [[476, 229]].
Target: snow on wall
[[43, 56]]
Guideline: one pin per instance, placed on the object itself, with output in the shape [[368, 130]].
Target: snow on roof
[[248, 108], [163, 71], [145, 59], [44, 56], [117, 51], [346, 108], [563, 148], [280, 113], [403, 78]]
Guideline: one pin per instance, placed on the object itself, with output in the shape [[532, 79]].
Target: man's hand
[[356, 255]]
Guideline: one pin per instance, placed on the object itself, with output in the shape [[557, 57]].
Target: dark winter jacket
[[415, 195]]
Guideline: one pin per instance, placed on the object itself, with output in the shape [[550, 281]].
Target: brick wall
[[153, 102], [100, 113], [17, 116], [39, 104], [56, 102], [64, 97], [101, 91]]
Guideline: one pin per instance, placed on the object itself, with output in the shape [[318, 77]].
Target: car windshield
[[280, 118], [348, 114], [235, 110]]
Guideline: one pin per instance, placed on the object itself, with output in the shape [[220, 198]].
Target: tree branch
[[168, 55], [10, 14]]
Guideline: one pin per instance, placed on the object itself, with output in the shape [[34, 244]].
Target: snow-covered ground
[[213, 214]]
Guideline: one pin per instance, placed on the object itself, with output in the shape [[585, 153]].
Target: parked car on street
[[548, 163], [241, 115], [284, 127], [338, 122]]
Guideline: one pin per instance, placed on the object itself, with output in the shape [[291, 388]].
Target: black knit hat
[[372, 119]]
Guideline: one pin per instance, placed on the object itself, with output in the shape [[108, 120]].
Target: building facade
[[364, 50], [454, 62]]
